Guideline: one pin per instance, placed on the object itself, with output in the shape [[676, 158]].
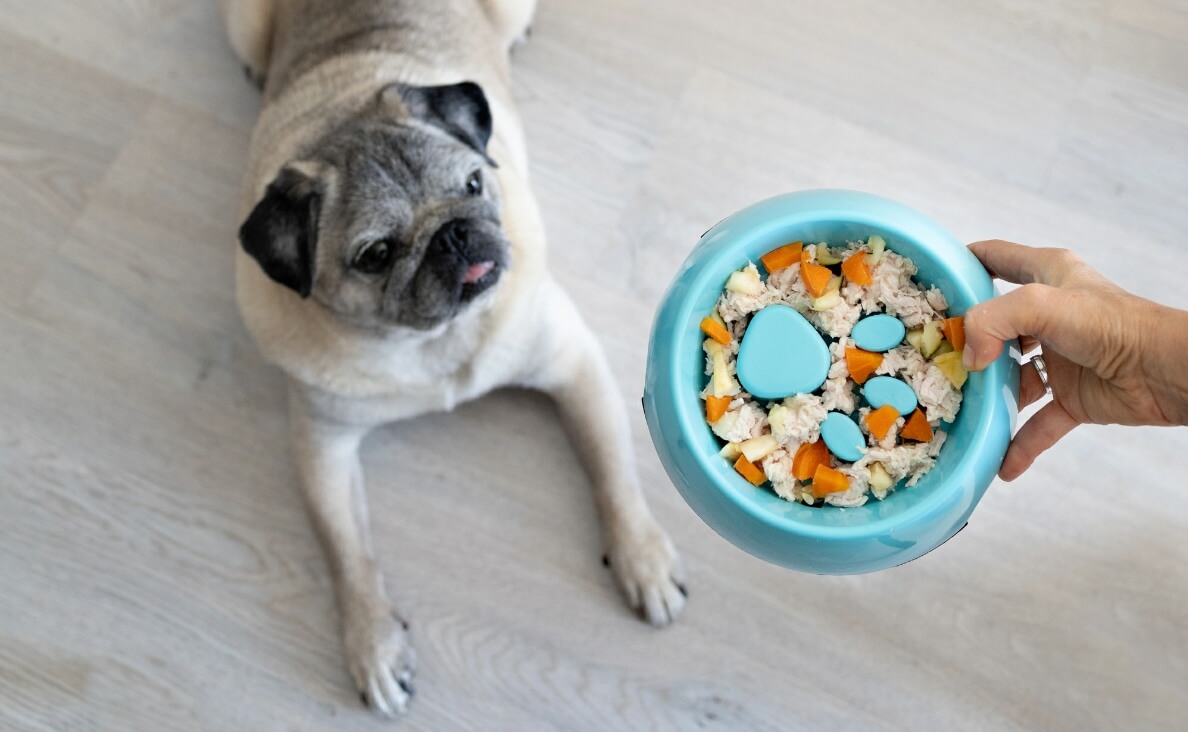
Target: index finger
[[1023, 264]]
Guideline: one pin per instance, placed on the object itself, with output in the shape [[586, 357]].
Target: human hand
[[1112, 357]]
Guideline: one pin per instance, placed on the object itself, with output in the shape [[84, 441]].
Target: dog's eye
[[374, 257], [474, 183]]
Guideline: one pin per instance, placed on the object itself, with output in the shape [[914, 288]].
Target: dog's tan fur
[[321, 61]]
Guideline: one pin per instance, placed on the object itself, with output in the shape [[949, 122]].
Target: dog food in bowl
[[832, 378]]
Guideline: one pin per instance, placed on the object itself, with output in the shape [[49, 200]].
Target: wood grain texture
[[157, 570]]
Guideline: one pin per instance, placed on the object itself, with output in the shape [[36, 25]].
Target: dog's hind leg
[[378, 653], [249, 29], [572, 368]]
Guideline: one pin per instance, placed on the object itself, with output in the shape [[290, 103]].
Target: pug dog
[[392, 263]]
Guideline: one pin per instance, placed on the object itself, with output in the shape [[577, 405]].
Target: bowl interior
[[941, 260]]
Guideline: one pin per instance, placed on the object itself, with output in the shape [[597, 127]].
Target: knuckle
[[1065, 262], [1035, 295]]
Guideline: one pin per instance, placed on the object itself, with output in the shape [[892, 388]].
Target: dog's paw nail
[[683, 590], [363, 698], [408, 687], [606, 560], [402, 621]]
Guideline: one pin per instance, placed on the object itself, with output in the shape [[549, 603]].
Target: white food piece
[[877, 245], [757, 448], [935, 393], [741, 423], [825, 256], [745, 281], [915, 337], [798, 419], [788, 286], [931, 339], [734, 306], [777, 466], [880, 480], [838, 321], [724, 384], [776, 417], [905, 361], [730, 451], [910, 460], [839, 388], [950, 364], [855, 495], [936, 299], [828, 301]]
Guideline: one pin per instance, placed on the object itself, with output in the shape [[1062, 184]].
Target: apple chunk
[[950, 365]]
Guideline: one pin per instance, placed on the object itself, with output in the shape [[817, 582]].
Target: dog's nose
[[452, 236], [465, 254]]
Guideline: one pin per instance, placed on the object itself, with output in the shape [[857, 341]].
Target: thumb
[[1023, 311]]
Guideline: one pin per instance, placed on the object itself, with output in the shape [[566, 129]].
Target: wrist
[[1165, 360]]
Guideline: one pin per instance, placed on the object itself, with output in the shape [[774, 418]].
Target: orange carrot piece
[[714, 329], [880, 421], [826, 480], [954, 329], [715, 407], [856, 269], [862, 363], [783, 257], [816, 278], [749, 470], [808, 457], [917, 428]]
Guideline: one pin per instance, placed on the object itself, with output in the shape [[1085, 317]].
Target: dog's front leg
[[574, 371], [378, 653]]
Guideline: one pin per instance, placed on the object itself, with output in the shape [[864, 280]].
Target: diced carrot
[[826, 480], [954, 329], [714, 329], [880, 421], [715, 407], [856, 269], [816, 278], [783, 257], [808, 457], [749, 470], [862, 363], [917, 428]]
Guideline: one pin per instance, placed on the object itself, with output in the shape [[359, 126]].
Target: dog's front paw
[[381, 660], [649, 572]]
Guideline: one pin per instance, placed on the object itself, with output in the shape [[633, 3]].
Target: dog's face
[[392, 219]]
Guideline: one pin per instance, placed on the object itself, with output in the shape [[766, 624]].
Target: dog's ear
[[459, 109], [282, 230]]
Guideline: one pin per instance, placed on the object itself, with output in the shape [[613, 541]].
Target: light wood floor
[[157, 571]]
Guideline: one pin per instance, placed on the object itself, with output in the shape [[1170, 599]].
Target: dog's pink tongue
[[476, 272]]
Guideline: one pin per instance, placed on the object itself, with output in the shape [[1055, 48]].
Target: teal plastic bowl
[[825, 540]]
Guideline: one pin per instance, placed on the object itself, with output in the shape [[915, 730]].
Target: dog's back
[[278, 40]]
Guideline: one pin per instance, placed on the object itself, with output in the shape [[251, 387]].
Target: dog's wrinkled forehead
[[378, 159], [410, 132], [415, 145]]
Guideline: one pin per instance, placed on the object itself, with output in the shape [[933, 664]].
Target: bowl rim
[[846, 207]]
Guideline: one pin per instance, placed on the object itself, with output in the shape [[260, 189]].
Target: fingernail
[[967, 357]]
